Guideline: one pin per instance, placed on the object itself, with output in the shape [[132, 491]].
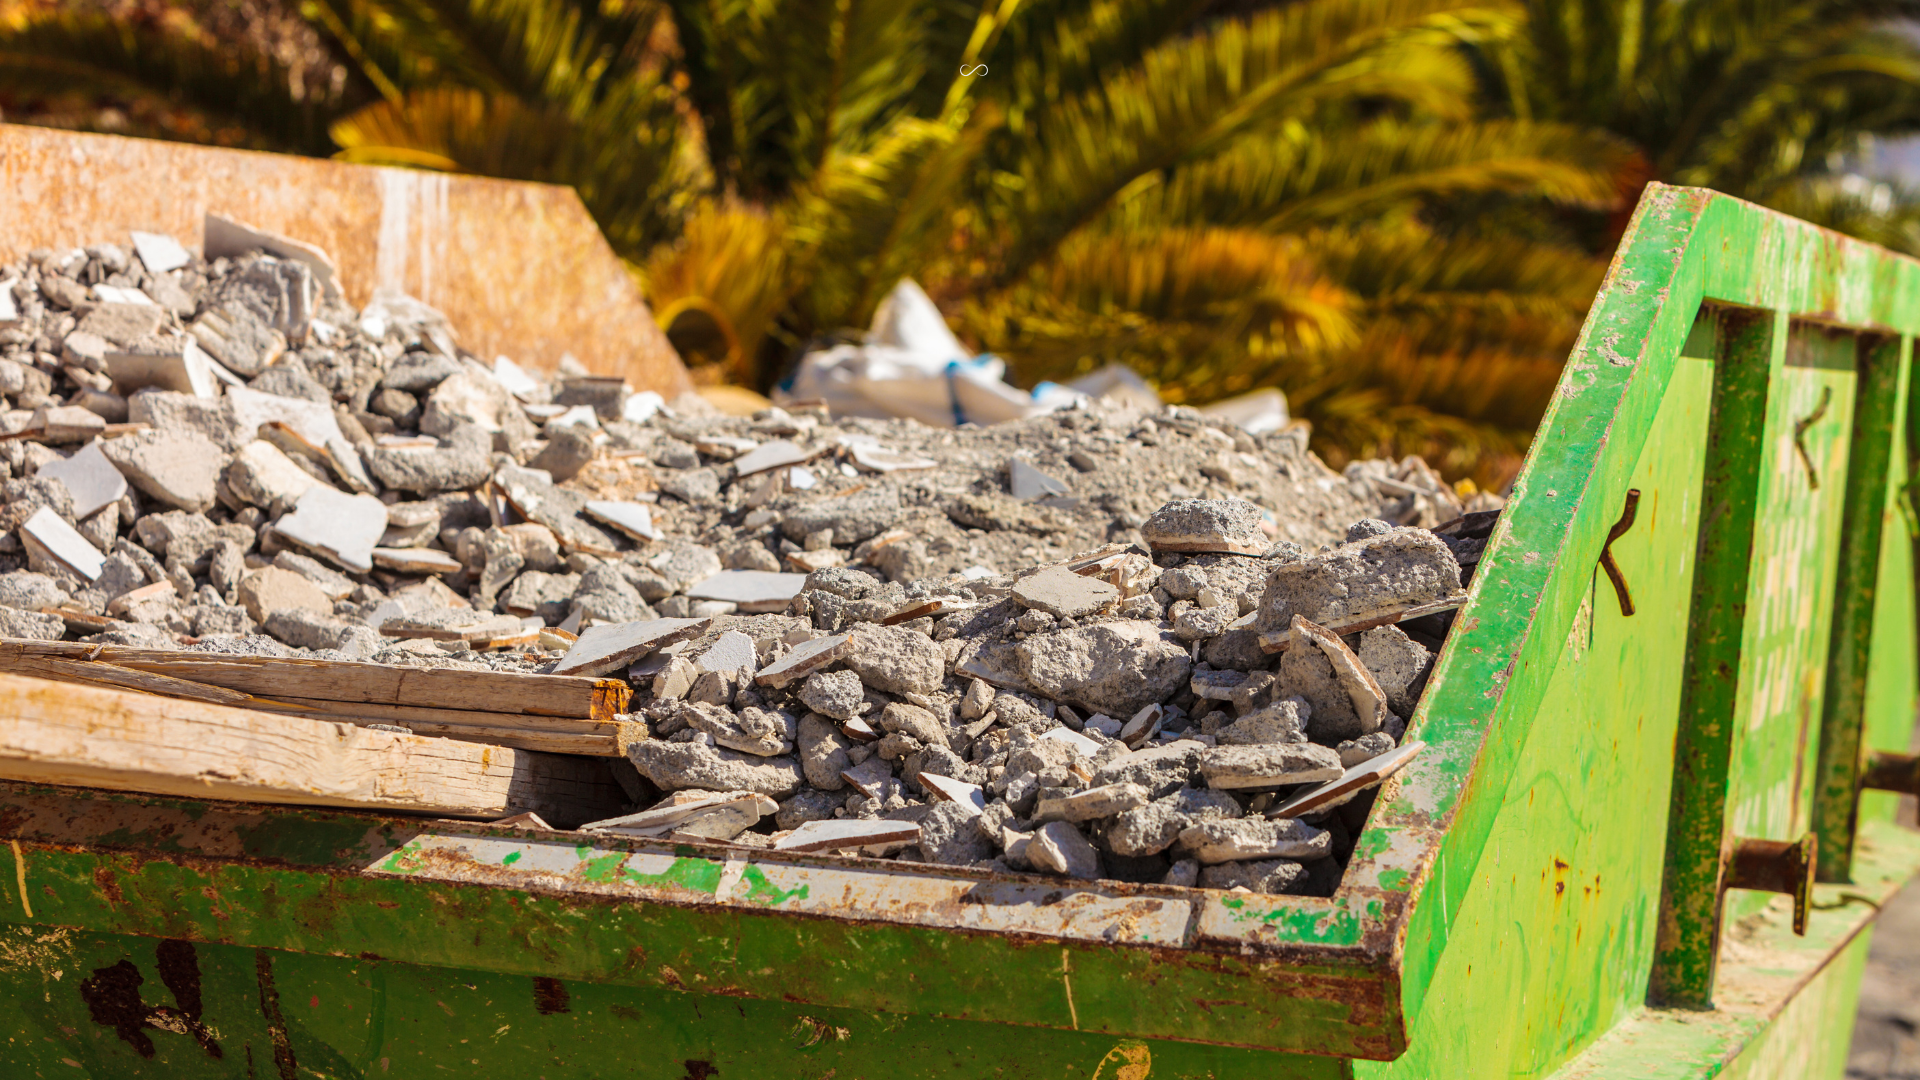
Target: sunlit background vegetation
[[1395, 210]]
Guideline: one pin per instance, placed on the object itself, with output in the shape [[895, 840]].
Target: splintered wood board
[[62, 733], [347, 681]]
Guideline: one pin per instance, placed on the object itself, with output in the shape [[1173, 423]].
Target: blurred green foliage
[[1395, 210]]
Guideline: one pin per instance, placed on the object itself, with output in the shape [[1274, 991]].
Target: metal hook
[[1606, 553], [1800, 436]]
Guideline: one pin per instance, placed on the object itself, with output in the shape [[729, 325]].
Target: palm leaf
[[1191, 98], [1290, 181], [230, 84]]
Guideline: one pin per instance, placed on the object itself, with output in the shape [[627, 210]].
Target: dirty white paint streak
[[20, 877], [1066, 980]]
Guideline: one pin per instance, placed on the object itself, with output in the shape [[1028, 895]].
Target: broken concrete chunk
[[272, 589], [1116, 667], [1162, 770], [838, 694], [91, 478], [344, 528], [1369, 578], [49, 534], [839, 835], [1346, 702], [1064, 594], [1092, 804], [1229, 525], [1265, 766], [1243, 839], [123, 323], [1057, 847], [178, 468], [672, 766], [64, 424], [611, 647], [1282, 722], [1262, 876], [1398, 664], [896, 660]]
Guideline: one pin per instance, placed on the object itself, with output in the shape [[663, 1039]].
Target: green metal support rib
[[1835, 797], [1687, 933]]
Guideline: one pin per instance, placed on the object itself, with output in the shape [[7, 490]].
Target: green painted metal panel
[[263, 1013], [1501, 909], [1557, 927]]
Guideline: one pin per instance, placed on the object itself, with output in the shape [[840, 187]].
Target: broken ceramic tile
[[834, 835], [947, 789], [159, 252], [634, 519], [612, 646], [1070, 737], [90, 477], [770, 455], [730, 652], [755, 591], [673, 812], [159, 590], [1279, 640], [417, 560], [1354, 781], [58, 540], [111, 294], [183, 367], [805, 659], [344, 528], [1026, 482]]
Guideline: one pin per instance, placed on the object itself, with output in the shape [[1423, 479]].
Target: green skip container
[[1647, 839]]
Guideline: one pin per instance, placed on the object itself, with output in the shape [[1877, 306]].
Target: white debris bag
[[912, 366]]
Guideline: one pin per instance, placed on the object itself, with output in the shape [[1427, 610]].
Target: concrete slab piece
[[59, 540], [756, 591], [90, 477], [344, 528], [612, 646]]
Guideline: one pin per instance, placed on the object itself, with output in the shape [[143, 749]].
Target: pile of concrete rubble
[[1098, 642]]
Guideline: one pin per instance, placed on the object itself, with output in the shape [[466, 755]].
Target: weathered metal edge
[[274, 877], [1432, 823]]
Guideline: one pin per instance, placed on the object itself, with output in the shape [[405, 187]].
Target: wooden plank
[[60, 733], [101, 673], [340, 680], [553, 734]]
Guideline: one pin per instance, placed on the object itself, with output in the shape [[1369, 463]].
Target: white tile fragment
[[756, 591], [90, 477], [58, 540], [612, 646], [160, 252], [634, 519], [344, 528]]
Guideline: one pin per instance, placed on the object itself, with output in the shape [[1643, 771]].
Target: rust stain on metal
[[519, 268]]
